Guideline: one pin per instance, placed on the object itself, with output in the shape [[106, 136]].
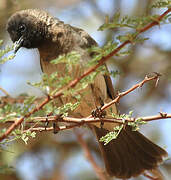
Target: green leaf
[[135, 125], [111, 135], [70, 58]]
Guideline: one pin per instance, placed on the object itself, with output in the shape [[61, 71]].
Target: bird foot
[[99, 113]]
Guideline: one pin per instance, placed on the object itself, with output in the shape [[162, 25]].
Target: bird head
[[26, 28]]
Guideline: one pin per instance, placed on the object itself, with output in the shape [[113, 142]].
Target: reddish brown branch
[[91, 119], [116, 100], [155, 22], [82, 121], [150, 177], [74, 82]]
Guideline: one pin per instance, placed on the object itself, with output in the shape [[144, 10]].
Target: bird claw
[[55, 128], [46, 122], [99, 113]]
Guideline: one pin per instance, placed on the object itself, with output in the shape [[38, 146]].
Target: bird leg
[[98, 113]]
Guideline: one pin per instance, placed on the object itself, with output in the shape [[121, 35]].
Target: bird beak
[[18, 44]]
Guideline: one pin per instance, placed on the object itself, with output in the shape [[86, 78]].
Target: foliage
[[100, 52], [116, 130], [111, 135], [3, 53], [51, 84], [20, 134], [6, 169], [162, 4], [134, 23]]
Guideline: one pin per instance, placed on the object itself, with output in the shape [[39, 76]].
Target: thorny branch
[[80, 122], [120, 95], [77, 122], [74, 82]]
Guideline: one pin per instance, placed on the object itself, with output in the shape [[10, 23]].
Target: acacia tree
[[23, 117]]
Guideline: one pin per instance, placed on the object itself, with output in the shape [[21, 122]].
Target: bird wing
[[97, 93]]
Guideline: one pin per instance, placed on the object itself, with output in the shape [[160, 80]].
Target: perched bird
[[131, 153]]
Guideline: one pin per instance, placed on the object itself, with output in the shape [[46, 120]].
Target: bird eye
[[22, 28]]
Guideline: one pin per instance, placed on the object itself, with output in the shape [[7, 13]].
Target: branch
[[74, 82], [117, 99], [4, 91], [84, 121], [150, 177], [77, 122]]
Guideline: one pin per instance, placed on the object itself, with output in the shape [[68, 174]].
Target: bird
[[131, 153]]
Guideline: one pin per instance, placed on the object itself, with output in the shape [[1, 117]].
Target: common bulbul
[[130, 154]]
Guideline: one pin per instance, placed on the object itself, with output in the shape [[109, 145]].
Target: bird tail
[[130, 154]]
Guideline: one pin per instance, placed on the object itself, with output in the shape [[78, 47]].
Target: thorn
[[163, 114], [98, 113], [46, 122], [101, 124], [157, 81], [146, 77], [55, 128], [119, 96], [125, 123], [157, 78], [141, 84]]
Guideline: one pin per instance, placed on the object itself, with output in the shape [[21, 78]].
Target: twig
[[4, 91], [74, 82], [116, 100], [20, 99], [149, 177]]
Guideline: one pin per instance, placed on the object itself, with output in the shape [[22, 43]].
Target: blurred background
[[53, 157]]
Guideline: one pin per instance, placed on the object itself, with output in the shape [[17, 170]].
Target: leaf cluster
[[100, 52], [162, 4], [4, 51], [117, 129], [134, 23], [111, 135], [24, 136]]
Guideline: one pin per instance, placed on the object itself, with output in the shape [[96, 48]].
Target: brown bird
[[131, 153]]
